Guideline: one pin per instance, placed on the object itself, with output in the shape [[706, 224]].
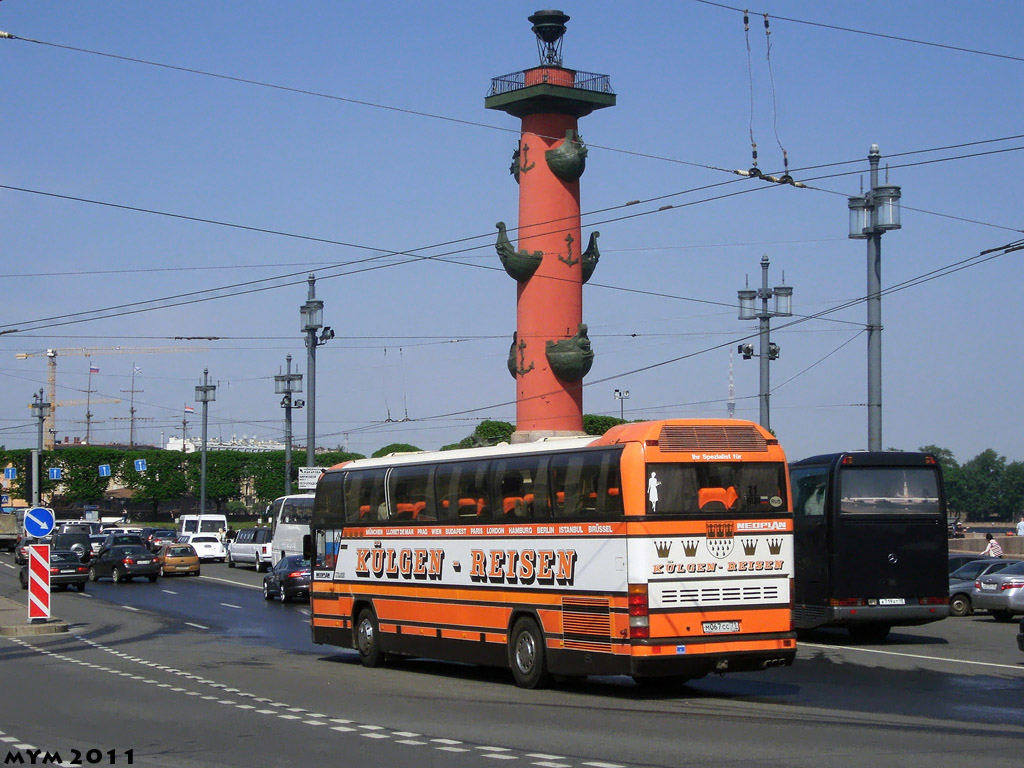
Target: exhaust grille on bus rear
[[675, 437], [586, 623]]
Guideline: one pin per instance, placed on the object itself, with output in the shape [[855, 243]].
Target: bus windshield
[[297, 511], [888, 490], [693, 489]]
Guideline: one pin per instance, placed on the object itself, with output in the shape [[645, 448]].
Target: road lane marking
[[169, 591], [197, 626], [130, 608], [230, 605], [8, 565], [917, 656], [307, 718], [232, 583]]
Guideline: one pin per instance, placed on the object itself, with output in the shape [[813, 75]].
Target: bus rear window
[[691, 489], [889, 490]]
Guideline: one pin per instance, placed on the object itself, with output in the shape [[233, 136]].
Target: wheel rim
[[365, 637], [958, 606], [526, 652]]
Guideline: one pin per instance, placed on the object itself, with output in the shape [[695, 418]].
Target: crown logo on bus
[[663, 548], [775, 546], [720, 530], [690, 547], [749, 547]]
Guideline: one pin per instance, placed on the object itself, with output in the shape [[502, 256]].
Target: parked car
[[96, 542], [66, 570], [76, 542], [158, 537], [288, 579], [21, 553], [1002, 593], [961, 583], [124, 563], [1020, 636], [206, 545], [957, 560], [252, 546], [178, 559]]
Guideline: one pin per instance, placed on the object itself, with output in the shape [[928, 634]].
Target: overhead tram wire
[[334, 97], [413, 257], [966, 263], [851, 30]]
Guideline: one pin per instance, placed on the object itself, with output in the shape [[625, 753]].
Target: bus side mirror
[[307, 547]]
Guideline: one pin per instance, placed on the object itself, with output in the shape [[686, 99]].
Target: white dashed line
[[230, 605], [168, 591], [190, 624]]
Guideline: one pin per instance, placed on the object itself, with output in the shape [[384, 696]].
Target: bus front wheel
[[527, 655], [368, 639]]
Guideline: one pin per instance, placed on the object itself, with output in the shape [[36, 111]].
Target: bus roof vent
[[675, 437]]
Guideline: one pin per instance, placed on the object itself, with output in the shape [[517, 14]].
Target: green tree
[[164, 478], [395, 448], [487, 432], [598, 425], [81, 482], [224, 473], [983, 478], [952, 479]]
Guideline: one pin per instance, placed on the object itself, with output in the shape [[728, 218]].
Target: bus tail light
[[934, 601], [639, 622], [846, 602]]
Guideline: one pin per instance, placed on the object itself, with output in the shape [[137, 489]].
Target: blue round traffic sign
[[39, 521]]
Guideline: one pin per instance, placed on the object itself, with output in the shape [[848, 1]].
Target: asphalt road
[[204, 672]]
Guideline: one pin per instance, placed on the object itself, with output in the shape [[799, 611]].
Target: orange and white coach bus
[[662, 550]]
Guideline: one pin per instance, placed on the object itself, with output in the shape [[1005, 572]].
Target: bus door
[[888, 530], [810, 537]]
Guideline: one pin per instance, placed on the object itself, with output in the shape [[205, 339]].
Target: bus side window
[[809, 489]]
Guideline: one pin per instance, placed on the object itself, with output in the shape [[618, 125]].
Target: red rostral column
[[550, 352]]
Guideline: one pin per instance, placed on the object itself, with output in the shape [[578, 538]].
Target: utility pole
[[131, 407], [206, 393], [40, 411], [312, 316], [870, 215], [287, 384], [767, 351]]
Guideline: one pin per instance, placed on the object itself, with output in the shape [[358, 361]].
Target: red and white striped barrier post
[[38, 582]]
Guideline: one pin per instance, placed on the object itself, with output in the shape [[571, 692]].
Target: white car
[[206, 545]]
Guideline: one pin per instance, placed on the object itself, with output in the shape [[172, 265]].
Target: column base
[[533, 435]]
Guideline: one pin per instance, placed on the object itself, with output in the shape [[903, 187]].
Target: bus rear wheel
[[526, 654], [368, 639], [869, 633]]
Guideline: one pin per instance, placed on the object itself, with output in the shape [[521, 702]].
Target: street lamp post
[[872, 214], [40, 411], [312, 316], [767, 351], [206, 393], [287, 384], [621, 395]]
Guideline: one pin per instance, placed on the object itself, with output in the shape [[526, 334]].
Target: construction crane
[[51, 362]]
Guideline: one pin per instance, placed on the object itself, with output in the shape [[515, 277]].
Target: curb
[[14, 621]]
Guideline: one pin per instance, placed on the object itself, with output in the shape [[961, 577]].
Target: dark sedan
[[288, 579], [66, 570], [124, 563]]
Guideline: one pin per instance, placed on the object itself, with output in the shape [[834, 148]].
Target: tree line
[[987, 488]]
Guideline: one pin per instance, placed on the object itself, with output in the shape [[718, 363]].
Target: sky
[[182, 206]]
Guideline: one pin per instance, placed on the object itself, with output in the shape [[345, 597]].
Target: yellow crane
[[49, 432]]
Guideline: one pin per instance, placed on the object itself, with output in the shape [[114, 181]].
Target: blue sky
[[341, 181]]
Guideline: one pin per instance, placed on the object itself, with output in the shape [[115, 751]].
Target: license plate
[[720, 627], [143, 562], [988, 586], [69, 570], [891, 601]]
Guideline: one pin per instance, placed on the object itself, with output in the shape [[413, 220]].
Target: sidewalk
[[14, 621]]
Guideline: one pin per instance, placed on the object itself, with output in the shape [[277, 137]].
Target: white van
[[202, 524], [290, 516]]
